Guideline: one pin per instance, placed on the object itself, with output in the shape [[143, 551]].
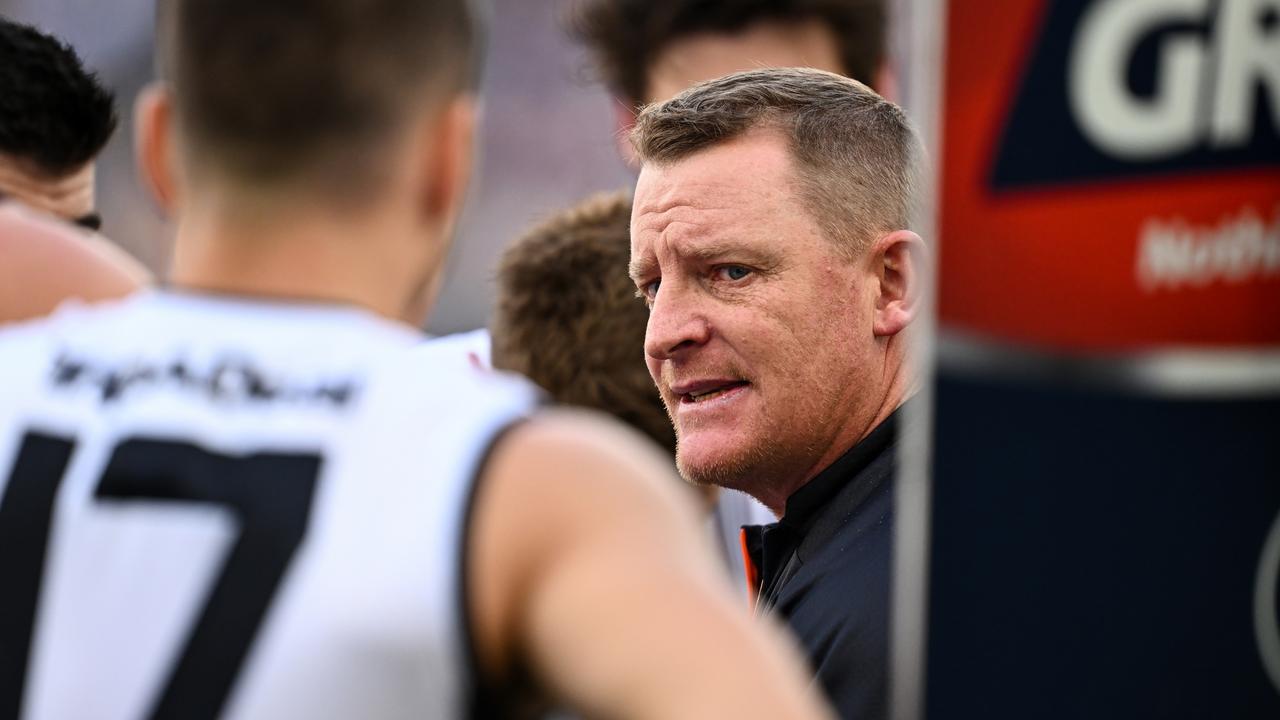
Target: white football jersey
[[217, 507], [733, 508]]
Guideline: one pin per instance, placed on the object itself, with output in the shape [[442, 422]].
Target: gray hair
[[858, 157]]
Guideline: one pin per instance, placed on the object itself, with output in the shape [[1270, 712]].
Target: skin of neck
[[377, 257], [895, 385], [377, 242], [901, 272], [372, 233]]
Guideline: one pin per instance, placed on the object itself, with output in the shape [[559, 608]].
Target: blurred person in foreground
[[44, 262], [241, 497], [55, 117], [770, 238]]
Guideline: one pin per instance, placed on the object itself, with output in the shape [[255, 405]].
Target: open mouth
[[710, 393]]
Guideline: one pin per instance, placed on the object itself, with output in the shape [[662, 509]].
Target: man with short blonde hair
[[771, 240], [856, 155]]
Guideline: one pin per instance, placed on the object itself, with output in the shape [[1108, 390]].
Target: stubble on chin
[[761, 463], [732, 470]]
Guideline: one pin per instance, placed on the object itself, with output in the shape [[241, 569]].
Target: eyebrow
[[92, 221], [705, 251], [640, 268]]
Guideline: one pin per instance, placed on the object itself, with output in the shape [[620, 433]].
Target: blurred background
[[546, 142]]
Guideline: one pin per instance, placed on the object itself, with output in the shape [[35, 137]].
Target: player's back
[[215, 504]]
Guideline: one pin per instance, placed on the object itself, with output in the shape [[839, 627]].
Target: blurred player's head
[[649, 50], [346, 120], [771, 238], [55, 118], [567, 315]]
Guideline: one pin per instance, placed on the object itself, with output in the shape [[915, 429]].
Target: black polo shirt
[[824, 568]]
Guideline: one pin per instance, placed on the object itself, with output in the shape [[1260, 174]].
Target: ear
[[898, 259], [624, 119], [445, 163], [451, 151], [153, 143]]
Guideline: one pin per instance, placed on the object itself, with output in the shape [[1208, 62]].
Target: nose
[[677, 324]]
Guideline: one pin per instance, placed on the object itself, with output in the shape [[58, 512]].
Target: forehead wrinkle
[[642, 265], [697, 194], [702, 220], [705, 248], [693, 234], [736, 213], [690, 210]]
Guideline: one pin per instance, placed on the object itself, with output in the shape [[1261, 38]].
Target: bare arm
[[591, 569], [44, 262]]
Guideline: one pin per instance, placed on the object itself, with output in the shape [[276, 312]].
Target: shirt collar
[[804, 505]]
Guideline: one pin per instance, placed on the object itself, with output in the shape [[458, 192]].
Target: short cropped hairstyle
[[625, 37], [277, 90], [567, 316], [54, 114], [857, 157]]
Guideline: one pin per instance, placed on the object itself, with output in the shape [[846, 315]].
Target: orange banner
[[1110, 173]]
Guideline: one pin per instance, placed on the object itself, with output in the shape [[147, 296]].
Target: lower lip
[[715, 403]]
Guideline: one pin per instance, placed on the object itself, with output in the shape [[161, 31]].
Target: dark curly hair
[[626, 36], [567, 315], [54, 113]]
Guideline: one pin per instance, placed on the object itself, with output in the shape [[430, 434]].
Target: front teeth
[[706, 395]]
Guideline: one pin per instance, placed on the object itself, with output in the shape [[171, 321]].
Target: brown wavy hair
[[568, 318]]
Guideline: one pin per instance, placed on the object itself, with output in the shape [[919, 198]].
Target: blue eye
[[734, 272], [650, 290]]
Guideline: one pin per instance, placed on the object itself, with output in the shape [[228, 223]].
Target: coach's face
[[760, 334]]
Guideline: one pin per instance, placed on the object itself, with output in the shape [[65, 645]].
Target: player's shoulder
[[43, 260], [457, 366], [472, 348], [37, 336], [448, 368], [584, 448], [434, 384], [33, 352]]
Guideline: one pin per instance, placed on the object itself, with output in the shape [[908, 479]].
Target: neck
[[365, 258], [898, 386]]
